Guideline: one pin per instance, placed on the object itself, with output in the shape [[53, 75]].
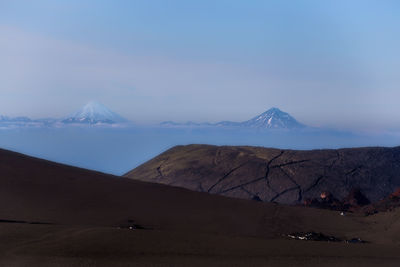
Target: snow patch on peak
[[273, 118], [93, 113]]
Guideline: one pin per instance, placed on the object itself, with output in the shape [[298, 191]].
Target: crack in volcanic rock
[[268, 170], [316, 182], [289, 163], [294, 182], [266, 177], [283, 192], [347, 174], [226, 176], [297, 186], [253, 196], [256, 179], [319, 178], [159, 172], [238, 186], [273, 174], [280, 166]]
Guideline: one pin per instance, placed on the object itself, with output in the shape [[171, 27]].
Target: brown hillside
[[284, 176], [56, 215], [40, 191]]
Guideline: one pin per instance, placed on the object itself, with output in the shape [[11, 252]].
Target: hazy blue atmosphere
[[328, 63], [333, 66], [118, 150]]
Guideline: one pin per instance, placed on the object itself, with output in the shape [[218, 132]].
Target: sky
[[328, 63]]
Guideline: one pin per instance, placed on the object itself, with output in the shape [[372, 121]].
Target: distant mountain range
[[16, 119], [94, 113], [273, 118]]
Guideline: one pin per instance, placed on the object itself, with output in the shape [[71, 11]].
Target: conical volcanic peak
[[273, 118], [93, 113]]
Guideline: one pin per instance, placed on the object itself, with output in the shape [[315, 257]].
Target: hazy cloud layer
[[339, 74]]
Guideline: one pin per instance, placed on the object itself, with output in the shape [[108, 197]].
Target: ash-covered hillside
[[284, 176]]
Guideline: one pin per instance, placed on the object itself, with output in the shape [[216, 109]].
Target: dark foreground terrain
[[56, 215]]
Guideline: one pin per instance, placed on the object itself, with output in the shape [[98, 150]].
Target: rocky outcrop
[[313, 236], [388, 203], [356, 199], [353, 202], [283, 176]]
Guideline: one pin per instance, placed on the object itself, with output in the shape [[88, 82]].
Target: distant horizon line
[[204, 122], [98, 102]]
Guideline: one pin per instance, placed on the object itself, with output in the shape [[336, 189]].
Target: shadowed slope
[[37, 190], [284, 176], [83, 210]]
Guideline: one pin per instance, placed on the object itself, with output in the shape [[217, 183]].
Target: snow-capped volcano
[[93, 113], [273, 118]]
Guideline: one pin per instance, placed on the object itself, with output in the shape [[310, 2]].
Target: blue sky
[[328, 63]]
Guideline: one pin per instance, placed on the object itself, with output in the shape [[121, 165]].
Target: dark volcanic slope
[[80, 212], [35, 190], [284, 176]]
